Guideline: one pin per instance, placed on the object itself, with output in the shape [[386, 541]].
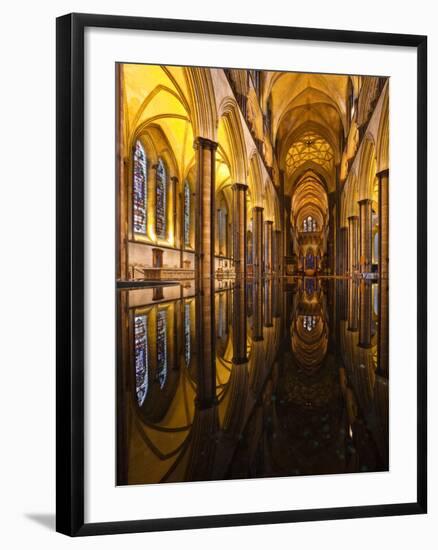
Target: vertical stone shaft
[[365, 235], [257, 222], [344, 250], [277, 251], [204, 272], [383, 338], [353, 243], [268, 245], [239, 228]]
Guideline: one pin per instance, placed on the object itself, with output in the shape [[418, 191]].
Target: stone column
[[365, 235], [383, 335], [268, 245], [239, 228], [204, 270], [353, 243], [365, 313], [257, 228], [239, 323], [205, 208], [123, 185], [343, 263]]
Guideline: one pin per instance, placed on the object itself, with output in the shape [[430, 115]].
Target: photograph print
[[252, 274]]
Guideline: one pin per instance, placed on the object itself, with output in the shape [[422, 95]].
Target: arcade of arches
[[252, 273]]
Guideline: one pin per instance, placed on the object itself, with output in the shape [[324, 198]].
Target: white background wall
[[27, 229]]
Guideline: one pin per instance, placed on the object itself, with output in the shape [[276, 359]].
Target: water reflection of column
[[239, 324], [268, 245], [257, 221], [353, 243], [257, 325], [383, 338], [205, 209], [365, 234], [365, 314], [353, 306], [276, 301], [239, 228], [268, 303]]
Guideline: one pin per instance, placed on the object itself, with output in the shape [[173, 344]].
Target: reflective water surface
[[277, 377]]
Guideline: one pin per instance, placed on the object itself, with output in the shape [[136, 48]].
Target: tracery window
[[141, 357], [187, 335], [162, 347], [186, 214], [161, 200], [139, 189], [310, 147], [309, 225]]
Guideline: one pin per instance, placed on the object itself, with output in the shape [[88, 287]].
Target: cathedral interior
[[252, 274]]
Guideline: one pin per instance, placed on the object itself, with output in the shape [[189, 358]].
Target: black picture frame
[[70, 273]]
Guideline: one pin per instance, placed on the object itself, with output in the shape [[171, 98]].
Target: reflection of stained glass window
[[187, 342], [139, 195], [141, 358], [309, 322], [161, 198], [186, 214], [162, 347]]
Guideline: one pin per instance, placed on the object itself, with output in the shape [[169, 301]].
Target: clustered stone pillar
[[239, 228], [344, 250], [257, 226], [383, 338], [353, 243], [365, 314], [365, 235], [204, 271], [268, 245]]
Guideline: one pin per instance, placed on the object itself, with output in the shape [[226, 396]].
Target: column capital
[[383, 173], [257, 208], [269, 222], [353, 218], [365, 201], [239, 187], [204, 143]]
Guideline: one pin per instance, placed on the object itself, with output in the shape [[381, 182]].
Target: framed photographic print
[[241, 274]]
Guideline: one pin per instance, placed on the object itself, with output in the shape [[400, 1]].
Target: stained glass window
[[309, 224], [161, 200], [187, 342], [186, 214], [222, 231], [139, 197], [162, 347], [141, 357]]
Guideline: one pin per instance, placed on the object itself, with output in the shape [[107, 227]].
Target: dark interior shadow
[[46, 520]]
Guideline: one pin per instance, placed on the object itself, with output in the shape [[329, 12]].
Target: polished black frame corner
[[70, 273]]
